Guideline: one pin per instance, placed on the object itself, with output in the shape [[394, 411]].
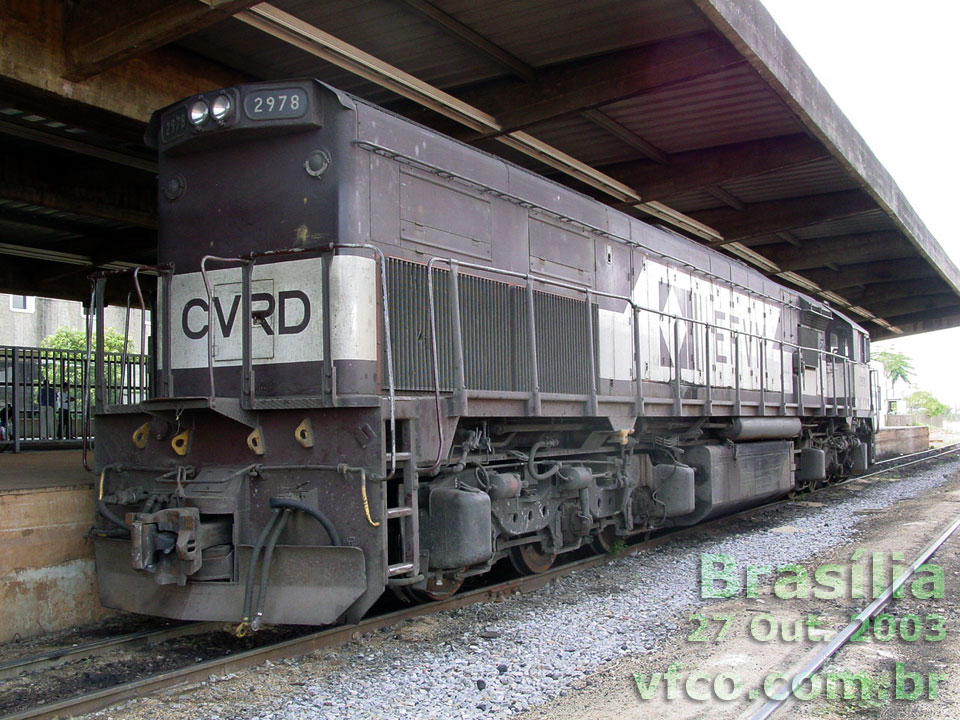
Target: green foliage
[[71, 365], [67, 339], [896, 366], [618, 548], [923, 402]]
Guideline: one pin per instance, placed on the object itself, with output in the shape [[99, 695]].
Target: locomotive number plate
[[173, 124], [275, 104]]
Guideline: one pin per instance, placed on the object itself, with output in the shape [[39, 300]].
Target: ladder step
[[401, 456], [399, 512], [399, 569]]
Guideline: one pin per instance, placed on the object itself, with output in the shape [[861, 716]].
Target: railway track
[[311, 641]]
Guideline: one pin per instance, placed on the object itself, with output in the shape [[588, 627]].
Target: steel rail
[[930, 454], [331, 637], [840, 639], [59, 656]]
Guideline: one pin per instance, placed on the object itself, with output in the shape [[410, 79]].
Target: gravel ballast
[[497, 659]]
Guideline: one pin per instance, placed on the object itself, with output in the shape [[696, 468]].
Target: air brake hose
[[265, 568], [290, 504], [532, 464], [244, 626], [111, 516]]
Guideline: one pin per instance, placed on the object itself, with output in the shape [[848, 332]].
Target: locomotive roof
[[697, 113]]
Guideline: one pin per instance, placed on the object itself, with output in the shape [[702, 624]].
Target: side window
[[22, 303], [840, 339]]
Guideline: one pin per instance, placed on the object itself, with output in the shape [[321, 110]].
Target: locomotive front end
[[246, 482]]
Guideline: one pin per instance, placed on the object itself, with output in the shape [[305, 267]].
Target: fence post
[[17, 404]]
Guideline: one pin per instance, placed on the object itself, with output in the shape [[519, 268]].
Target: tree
[[67, 339], [896, 366], [71, 364], [923, 402]]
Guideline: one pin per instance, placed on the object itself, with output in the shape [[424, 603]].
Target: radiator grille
[[494, 329]]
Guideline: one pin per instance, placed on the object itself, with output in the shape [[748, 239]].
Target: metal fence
[[41, 393]]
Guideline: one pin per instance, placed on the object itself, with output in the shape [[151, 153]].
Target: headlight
[[199, 112], [221, 108]]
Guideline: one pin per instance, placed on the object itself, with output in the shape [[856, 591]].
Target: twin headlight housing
[[200, 112]]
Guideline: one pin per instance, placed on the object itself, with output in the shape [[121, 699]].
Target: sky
[[892, 67]]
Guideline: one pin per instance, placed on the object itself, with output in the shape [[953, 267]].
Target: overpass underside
[[696, 114]]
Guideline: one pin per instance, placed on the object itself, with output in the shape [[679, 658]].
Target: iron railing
[[41, 393]]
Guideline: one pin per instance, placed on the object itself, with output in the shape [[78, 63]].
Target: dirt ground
[[945, 435], [769, 633]]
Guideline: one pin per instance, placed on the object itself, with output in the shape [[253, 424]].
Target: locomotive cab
[[238, 478]]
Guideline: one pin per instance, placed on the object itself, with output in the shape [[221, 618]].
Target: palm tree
[[896, 366]]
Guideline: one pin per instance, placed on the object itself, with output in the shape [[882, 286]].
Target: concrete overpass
[[697, 114]]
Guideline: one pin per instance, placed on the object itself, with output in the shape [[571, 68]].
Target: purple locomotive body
[[384, 359]]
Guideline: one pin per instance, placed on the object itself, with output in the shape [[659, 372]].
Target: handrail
[[97, 303], [529, 278], [636, 306], [246, 321]]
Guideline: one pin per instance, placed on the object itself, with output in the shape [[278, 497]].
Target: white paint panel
[[353, 308], [227, 312], [722, 349], [290, 302], [616, 344], [680, 293], [862, 375]]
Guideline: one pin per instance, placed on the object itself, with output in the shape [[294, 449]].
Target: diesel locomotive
[[384, 360]]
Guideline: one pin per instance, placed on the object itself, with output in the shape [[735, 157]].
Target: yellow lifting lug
[[181, 442], [140, 435], [255, 441], [304, 433]]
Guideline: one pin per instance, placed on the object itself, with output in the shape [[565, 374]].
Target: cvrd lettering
[[195, 327]]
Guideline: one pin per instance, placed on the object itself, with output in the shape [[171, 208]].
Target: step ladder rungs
[[399, 512]]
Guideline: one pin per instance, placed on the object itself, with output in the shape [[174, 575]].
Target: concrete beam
[[26, 276], [81, 185], [576, 86], [766, 218], [807, 254], [469, 36], [698, 169], [524, 71], [873, 293], [890, 309], [626, 135], [752, 30], [922, 322], [117, 102], [871, 272], [102, 33]]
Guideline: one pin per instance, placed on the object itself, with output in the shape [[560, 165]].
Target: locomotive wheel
[[531, 559], [606, 540], [434, 590]]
